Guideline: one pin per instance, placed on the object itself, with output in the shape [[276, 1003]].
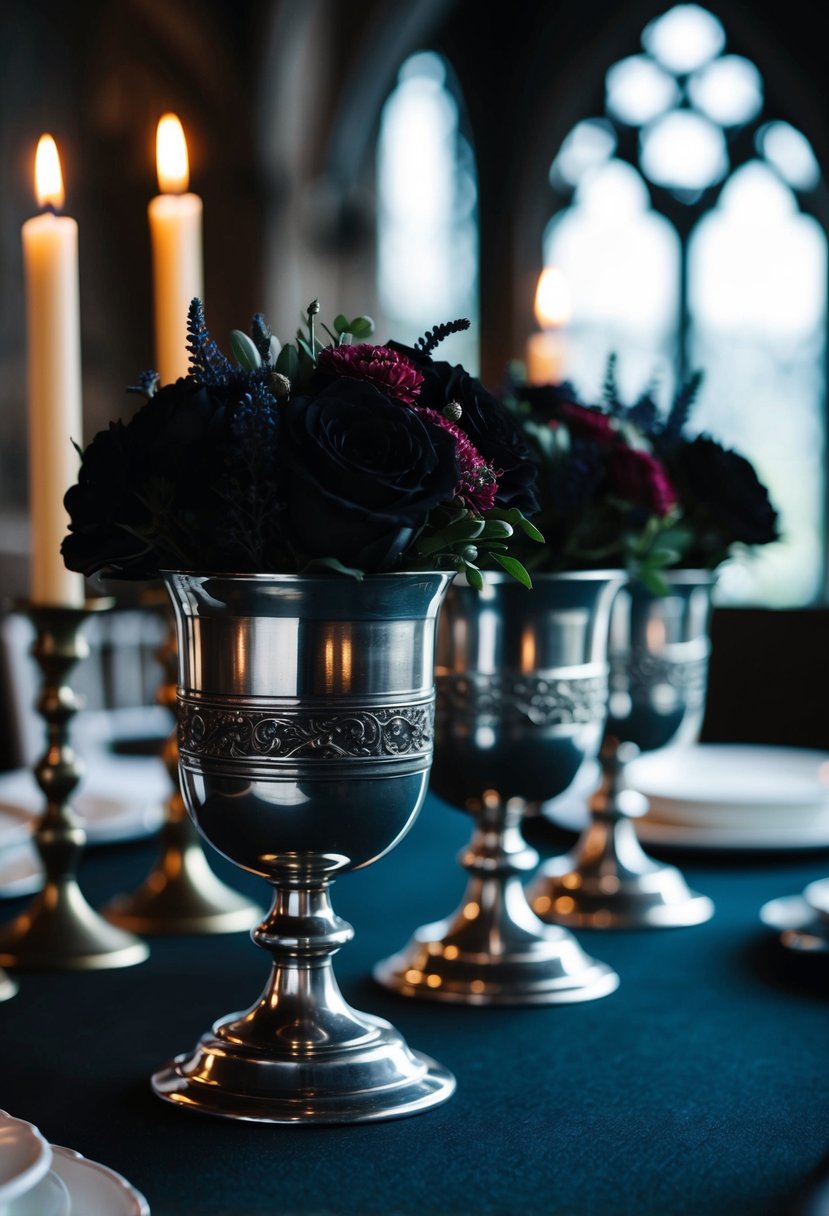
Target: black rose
[[488, 423], [724, 486], [362, 474], [107, 518], [142, 484]]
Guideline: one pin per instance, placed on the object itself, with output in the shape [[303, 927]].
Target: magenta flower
[[588, 424], [390, 371], [642, 479], [478, 482]]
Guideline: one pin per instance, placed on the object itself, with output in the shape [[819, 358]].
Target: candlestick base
[[182, 894], [60, 930]]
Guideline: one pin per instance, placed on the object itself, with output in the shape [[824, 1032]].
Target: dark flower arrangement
[[348, 456], [626, 485]]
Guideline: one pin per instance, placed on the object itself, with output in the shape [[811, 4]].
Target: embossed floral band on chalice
[[659, 647], [305, 740], [522, 680]]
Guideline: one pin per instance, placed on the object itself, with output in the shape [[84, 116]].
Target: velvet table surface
[[699, 1087]]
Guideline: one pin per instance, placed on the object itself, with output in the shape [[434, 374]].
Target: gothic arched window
[[687, 240], [427, 228]]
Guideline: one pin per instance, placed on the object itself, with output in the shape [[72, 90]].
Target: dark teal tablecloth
[[700, 1087]]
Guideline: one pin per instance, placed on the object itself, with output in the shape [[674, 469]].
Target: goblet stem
[[493, 950], [608, 881], [60, 929], [181, 894], [301, 1053]]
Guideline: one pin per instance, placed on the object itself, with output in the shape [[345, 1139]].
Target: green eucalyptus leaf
[[361, 327], [653, 581], [341, 323], [514, 567], [496, 529], [244, 351], [460, 532], [529, 529], [473, 576], [333, 563], [287, 363]]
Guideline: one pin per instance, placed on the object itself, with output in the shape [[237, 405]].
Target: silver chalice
[[305, 711], [659, 647], [522, 683]]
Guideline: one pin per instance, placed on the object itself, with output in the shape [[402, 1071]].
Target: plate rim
[[74, 1158], [809, 756], [27, 1177]]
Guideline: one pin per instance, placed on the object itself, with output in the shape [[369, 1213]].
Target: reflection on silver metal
[[8, 988], [522, 693], [60, 931], [304, 752], [802, 921], [658, 663], [181, 894]]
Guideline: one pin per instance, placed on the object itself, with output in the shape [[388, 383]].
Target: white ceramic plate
[[49, 1197], [25, 1157], [20, 871], [96, 1190], [736, 787], [815, 835]]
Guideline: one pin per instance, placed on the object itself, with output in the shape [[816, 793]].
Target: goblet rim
[[325, 576], [501, 576]]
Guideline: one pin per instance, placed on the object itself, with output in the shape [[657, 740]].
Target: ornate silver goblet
[[659, 647], [522, 682], [305, 739]]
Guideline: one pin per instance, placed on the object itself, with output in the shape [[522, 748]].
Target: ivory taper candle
[[175, 218], [50, 260]]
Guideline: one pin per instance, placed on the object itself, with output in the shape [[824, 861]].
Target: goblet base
[[657, 899], [549, 968], [373, 1076], [608, 881]]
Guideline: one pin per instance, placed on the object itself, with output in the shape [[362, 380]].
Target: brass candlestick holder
[[60, 930], [181, 894]]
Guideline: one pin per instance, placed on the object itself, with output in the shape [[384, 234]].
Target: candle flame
[[171, 157], [553, 306], [48, 177]]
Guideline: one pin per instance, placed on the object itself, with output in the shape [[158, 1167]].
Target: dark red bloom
[[478, 482], [641, 479], [390, 371], [589, 424]]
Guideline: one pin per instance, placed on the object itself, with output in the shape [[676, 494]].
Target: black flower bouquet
[[624, 484], [341, 455]]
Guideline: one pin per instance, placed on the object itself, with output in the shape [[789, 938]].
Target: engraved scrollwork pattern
[[549, 701], [296, 734], [639, 672]]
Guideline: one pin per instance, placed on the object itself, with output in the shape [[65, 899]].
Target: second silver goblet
[[522, 685]]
